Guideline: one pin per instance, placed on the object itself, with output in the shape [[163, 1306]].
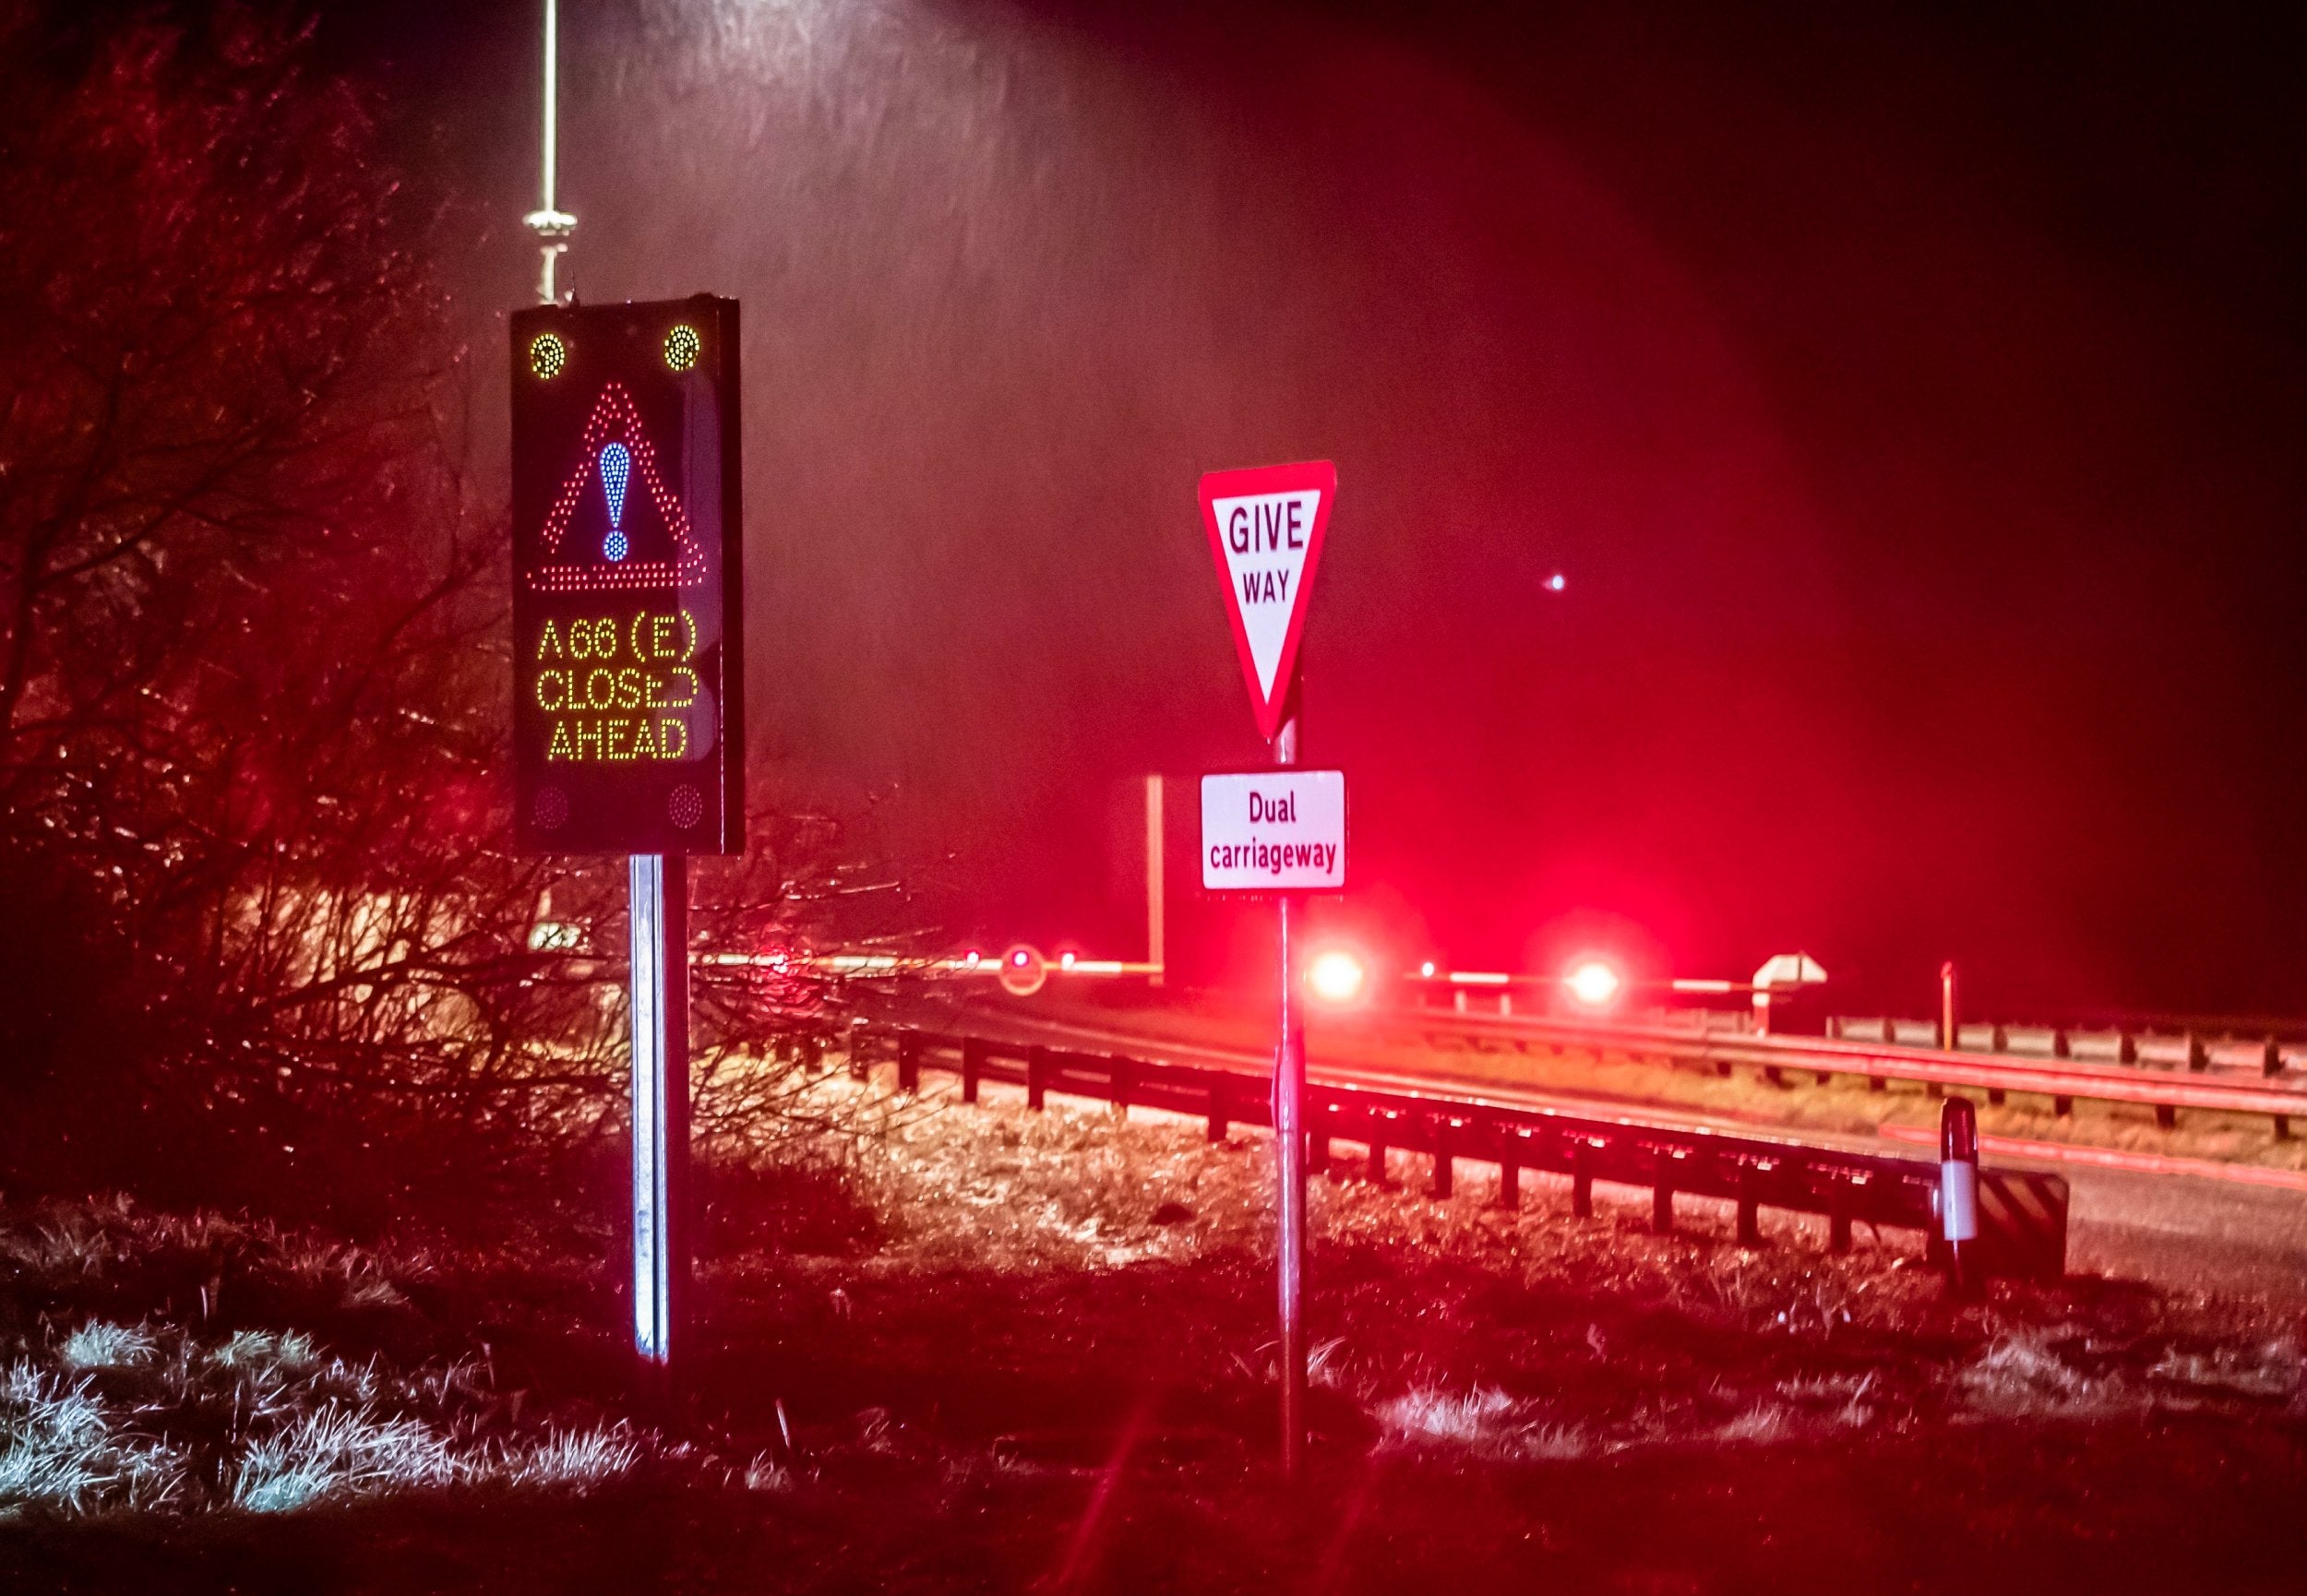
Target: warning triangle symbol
[[1265, 528], [616, 469]]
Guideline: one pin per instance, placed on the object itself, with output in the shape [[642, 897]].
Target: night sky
[[1911, 402]]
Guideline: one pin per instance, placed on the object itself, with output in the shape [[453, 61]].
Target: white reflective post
[[659, 896], [1153, 939]]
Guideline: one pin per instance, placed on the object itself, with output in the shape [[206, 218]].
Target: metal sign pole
[[659, 897], [1289, 1137]]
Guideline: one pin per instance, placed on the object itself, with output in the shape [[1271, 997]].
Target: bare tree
[[254, 891]]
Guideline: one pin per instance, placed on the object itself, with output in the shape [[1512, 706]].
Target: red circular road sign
[[1022, 970]]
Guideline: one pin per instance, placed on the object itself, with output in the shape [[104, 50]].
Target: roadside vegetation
[[987, 1348]]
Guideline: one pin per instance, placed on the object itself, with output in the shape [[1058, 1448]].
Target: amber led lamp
[[547, 356]]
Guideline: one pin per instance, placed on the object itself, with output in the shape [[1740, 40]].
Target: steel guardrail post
[[1750, 1207]]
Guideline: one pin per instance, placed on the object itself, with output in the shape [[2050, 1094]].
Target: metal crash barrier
[[2021, 1216]]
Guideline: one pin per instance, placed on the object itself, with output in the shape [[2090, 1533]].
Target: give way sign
[[1265, 528]]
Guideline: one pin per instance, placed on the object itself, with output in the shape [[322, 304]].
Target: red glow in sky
[[1900, 404]]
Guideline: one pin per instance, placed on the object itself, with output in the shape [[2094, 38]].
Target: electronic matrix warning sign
[[628, 590]]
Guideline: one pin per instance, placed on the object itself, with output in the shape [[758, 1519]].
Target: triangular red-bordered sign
[[1265, 528], [614, 420]]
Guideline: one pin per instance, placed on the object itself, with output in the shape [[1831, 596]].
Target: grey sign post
[[1290, 1136]]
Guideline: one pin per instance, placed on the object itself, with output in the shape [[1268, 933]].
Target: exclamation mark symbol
[[616, 469]]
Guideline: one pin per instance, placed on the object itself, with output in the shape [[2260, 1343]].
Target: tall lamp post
[[548, 222], [657, 879]]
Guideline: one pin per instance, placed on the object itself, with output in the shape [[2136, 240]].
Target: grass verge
[[986, 1349]]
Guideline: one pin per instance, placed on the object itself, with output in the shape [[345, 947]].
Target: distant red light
[[1336, 976], [1593, 982]]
